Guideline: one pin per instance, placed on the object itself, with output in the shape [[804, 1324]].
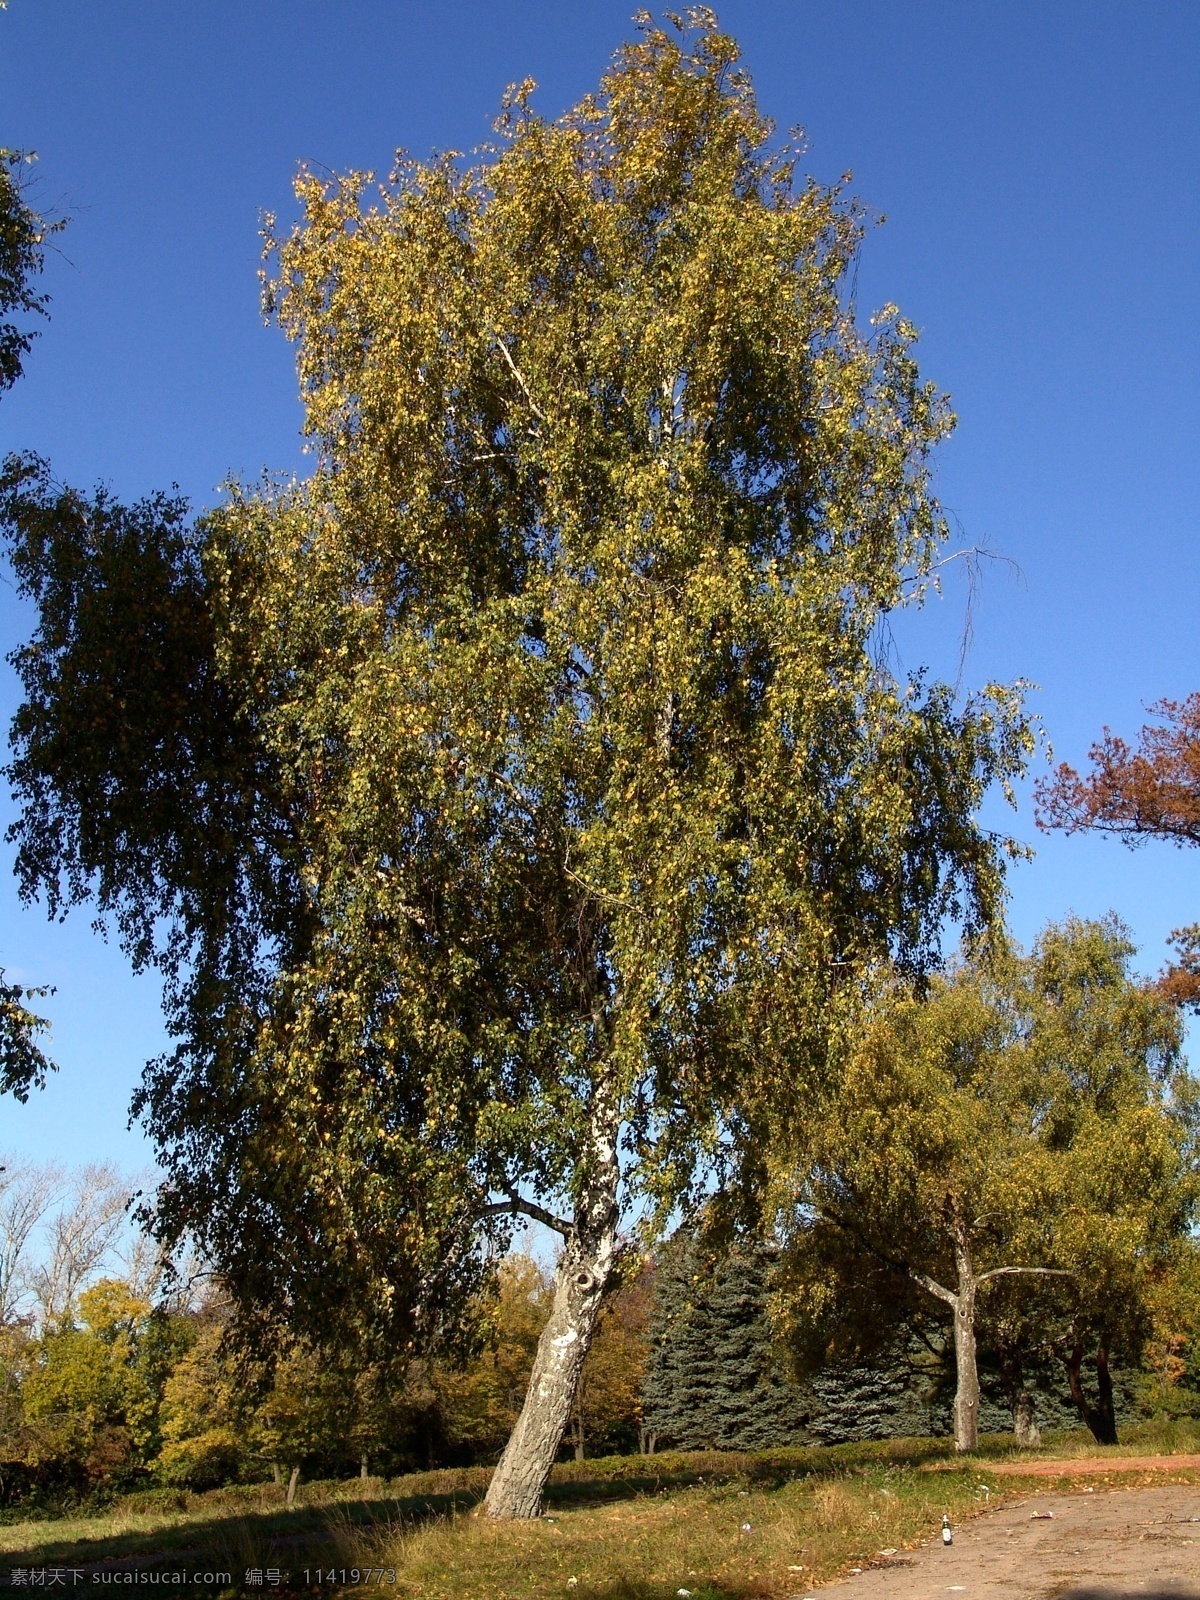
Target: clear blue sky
[[1037, 163]]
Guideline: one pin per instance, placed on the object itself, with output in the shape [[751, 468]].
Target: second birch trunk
[[966, 1393]]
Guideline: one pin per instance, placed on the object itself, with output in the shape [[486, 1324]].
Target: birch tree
[[23, 1063], [507, 803], [22, 254]]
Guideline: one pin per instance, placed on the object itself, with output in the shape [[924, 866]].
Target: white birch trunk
[[519, 1480]]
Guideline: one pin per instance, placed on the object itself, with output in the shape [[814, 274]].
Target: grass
[[725, 1526], [714, 1539]]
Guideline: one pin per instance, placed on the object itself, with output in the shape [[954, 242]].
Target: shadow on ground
[[1165, 1592]]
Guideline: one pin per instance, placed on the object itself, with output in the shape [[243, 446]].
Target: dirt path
[[1087, 1466], [1119, 1544]]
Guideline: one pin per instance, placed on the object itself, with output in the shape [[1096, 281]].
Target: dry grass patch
[[712, 1540], [627, 1528]]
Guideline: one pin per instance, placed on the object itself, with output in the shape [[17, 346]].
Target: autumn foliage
[[1151, 791]]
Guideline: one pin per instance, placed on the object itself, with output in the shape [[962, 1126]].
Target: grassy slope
[[629, 1528]]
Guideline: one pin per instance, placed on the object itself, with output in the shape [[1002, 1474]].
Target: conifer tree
[[714, 1379]]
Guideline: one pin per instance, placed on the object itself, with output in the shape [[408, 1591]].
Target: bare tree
[[143, 1264], [153, 1273], [82, 1236], [27, 1194]]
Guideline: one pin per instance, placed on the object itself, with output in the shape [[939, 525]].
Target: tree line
[[997, 1199], [526, 822], [138, 1385]]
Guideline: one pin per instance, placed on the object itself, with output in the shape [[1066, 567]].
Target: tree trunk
[[292, 1482], [577, 1431], [966, 1392], [1020, 1402], [519, 1480], [1100, 1419], [1025, 1429], [275, 1474], [362, 1468], [1106, 1411]]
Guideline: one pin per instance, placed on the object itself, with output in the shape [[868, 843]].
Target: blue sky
[[1037, 166]]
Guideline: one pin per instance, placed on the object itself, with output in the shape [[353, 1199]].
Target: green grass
[[625, 1528]]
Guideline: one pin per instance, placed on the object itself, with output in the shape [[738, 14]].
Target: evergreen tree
[[713, 1379], [902, 1394]]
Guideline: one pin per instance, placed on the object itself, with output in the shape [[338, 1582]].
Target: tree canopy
[[23, 1064], [1018, 1147], [22, 239], [507, 803]]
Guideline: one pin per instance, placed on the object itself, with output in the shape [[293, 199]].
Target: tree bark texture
[[519, 1480], [966, 1393], [1025, 1428], [291, 1488], [1020, 1402]]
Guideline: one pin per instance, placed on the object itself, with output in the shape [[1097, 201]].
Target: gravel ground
[[1119, 1544]]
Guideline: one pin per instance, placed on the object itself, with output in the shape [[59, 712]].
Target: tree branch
[[515, 1205], [895, 1262], [932, 1286], [517, 374], [1040, 1272]]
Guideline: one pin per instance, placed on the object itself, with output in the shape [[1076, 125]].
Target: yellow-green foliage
[[203, 1441], [87, 1389], [529, 773], [1040, 1104]]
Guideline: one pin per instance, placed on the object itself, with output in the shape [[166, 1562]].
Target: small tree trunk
[[275, 1474], [1100, 1420], [1105, 1405], [966, 1391], [577, 1430], [519, 1480], [292, 1482], [1020, 1401], [362, 1468], [1025, 1428]]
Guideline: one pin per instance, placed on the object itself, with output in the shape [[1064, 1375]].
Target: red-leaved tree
[[1147, 791]]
